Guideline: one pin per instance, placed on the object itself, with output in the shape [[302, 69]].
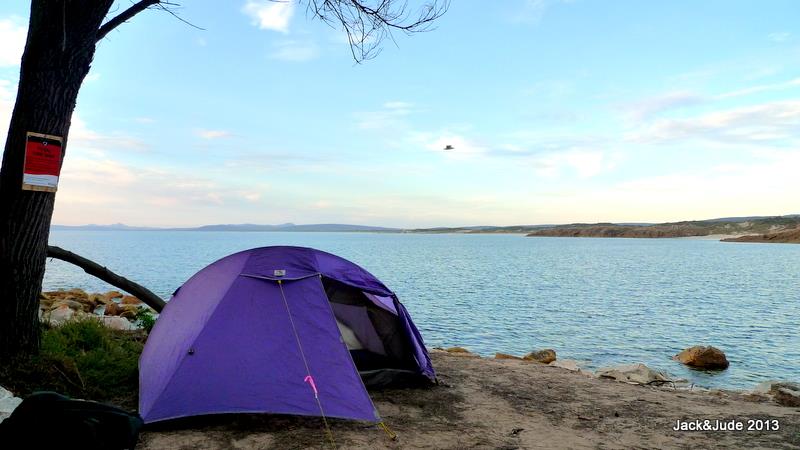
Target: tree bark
[[59, 50], [92, 268]]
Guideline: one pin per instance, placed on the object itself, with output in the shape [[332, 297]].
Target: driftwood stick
[[94, 269]]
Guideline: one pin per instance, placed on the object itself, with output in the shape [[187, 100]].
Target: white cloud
[[212, 134], [83, 139], [91, 187], [649, 107], [294, 51], [270, 15], [782, 36], [550, 89], [775, 122], [761, 88], [532, 11], [392, 116], [12, 36], [584, 163], [7, 90], [398, 105]]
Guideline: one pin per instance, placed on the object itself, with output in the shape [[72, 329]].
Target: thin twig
[[124, 16], [67, 378], [172, 13]]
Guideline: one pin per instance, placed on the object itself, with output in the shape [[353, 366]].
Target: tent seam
[[349, 356], [183, 358]]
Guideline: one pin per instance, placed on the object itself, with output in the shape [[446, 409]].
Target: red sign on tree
[[42, 166]]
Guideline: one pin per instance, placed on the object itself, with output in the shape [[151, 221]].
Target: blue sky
[[558, 111]]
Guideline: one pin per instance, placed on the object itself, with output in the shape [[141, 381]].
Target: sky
[[557, 112]]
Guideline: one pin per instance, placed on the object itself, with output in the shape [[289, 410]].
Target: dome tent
[[284, 330]]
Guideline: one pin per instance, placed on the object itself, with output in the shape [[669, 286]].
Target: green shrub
[[83, 359], [145, 319]]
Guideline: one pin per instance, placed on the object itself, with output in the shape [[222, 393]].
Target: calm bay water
[[600, 301]]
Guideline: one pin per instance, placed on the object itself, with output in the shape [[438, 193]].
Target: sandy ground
[[715, 237], [505, 404]]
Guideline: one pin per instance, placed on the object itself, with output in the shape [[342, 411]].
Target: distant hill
[[328, 227], [480, 229], [736, 226], [93, 227], [323, 227], [724, 226], [786, 237]]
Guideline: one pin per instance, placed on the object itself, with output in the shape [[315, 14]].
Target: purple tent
[[284, 330]]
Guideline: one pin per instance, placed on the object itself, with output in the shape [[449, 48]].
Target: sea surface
[[599, 301]]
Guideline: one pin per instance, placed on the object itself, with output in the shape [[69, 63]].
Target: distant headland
[[732, 229], [784, 229]]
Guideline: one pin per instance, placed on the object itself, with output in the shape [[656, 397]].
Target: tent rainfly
[[283, 330]]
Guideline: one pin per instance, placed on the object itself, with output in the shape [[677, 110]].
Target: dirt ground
[[504, 404]]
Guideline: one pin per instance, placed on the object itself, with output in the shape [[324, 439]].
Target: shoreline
[[497, 403], [123, 312], [507, 402]]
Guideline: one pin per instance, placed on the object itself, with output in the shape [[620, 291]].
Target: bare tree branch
[[92, 268], [367, 22], [124, 16], [175, 15]]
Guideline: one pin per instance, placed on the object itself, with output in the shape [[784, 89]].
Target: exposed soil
[[504, 404], [784, 237]]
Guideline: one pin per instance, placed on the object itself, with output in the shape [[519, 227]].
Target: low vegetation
[[729, 226], [82, 359]]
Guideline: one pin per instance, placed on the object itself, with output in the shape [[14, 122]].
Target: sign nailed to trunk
[[43, 154]]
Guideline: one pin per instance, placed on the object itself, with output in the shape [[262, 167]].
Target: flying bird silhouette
[[448, 147]]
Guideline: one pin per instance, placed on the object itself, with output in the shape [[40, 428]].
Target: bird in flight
[[448, 147]]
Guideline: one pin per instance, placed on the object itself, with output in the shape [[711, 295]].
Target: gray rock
[[634, 373], [784, 393], [569, 364], [7, 403], [545, 356]]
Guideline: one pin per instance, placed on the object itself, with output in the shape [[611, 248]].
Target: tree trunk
[[59, 49]]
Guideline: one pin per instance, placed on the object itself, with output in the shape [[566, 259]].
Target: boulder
[[77, 296], [788, 395], [45, 301], [129, 311], [130, 300], [71, 304], [8, 403], [59, 315], [783, 392], [703, 357], [117, 323], [461, 351], [72, 294], [545, 356], [97, 299], [111, 295], [634, 373], [505, 356], [569, 364], [113, 309], [456, 350]]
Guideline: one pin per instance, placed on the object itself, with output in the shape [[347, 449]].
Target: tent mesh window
[[375, 337]]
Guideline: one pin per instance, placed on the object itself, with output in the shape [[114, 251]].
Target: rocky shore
[[513, 403], [537, 400], [113, 308]]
